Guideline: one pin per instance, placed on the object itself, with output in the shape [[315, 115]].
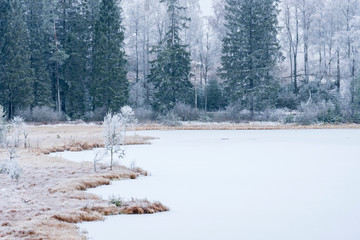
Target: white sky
[[206, 7]]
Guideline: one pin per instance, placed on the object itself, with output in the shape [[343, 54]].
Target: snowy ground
[[281, 185]]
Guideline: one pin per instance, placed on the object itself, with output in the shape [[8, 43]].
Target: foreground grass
[[50, 195], [241, 126]]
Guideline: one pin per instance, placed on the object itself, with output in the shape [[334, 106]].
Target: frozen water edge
[[289, 184]]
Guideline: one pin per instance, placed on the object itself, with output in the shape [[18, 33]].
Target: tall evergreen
[[39, 48], [250, 52], [170, 71], [74, 32], [110, 85], [55, 22], [16, 75]]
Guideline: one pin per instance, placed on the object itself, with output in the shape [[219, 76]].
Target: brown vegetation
[[50, 198], [142, 207], [242, 126]]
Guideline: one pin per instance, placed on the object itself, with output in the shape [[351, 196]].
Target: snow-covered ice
[[253, 185]]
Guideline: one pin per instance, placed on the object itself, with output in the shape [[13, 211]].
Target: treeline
[[290, 60], [65, 55]]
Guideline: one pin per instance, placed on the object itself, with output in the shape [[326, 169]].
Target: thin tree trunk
[[338, 76]]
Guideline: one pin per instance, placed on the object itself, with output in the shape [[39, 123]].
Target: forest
[[294, 61]]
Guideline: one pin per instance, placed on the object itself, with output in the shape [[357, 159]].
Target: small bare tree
[[11, 166], [129, 118], [19, 128], [2, 126], [16, 129], [99, 156], [114, 133]]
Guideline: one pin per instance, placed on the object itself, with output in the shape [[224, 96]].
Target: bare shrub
[[230, 114], [41, 114], [11, 166], [185, 112], [97, 115], [273, 115], [144, 114], [170, 119], [324, 111]]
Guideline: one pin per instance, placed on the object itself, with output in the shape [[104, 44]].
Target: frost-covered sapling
[[99, 156], [3, 127], [11, 166], [17, 126], [114, 133], [25, 133], [129, 118]]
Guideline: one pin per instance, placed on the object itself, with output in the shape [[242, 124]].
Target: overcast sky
[[206, 6]]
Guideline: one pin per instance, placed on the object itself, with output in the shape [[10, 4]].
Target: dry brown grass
[[78, 216], [45, 139], [80, 184], [242, 126], [50, 196], [42, 229], [142, 207], [104, 210]]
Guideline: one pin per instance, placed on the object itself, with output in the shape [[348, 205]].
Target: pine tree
[[214, 93], [170, 71], [110, 85], [250, 52], [54, 22], [76, 44], [16, 75], [39, 48]]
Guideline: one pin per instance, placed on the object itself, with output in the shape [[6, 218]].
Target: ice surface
[[281, 185]]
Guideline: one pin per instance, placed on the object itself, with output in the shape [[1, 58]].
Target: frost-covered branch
[[99, 156], [18, 129], [128, 116], [114, 133], [11, 166], [3, 128]]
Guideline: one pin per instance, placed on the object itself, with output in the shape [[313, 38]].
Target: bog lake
[[253, 185]]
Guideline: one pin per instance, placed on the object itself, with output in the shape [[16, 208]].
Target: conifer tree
[[170, 71], [250, 52], [76, 45], [214, 93], [110, 85], [16, 75], [39, 49]]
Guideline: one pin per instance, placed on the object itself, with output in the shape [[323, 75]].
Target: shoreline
[[50, 197]]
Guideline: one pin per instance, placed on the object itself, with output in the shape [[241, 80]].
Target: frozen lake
[[253, 185]]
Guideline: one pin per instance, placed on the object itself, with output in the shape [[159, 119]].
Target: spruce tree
[[250, 52], [170, 71], [39, 49], [215, 96], [110, 85], [16, 75], [74, 32]]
